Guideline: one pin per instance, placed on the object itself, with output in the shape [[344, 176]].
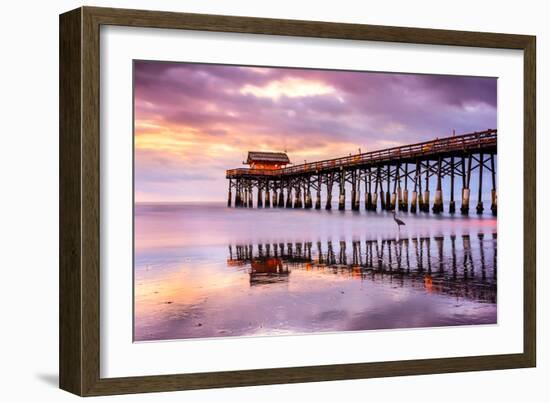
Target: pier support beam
[[420, 200], [281, 195], [355, 191], [229, 194], [414, 200], [298, 196], [307, 194], [259, 200], [465, 208], [250, 204], [237, 193], [479, 207], [358, 192], [438, 202], [388, 196], [396, 194], [368, 197], [330, 183], [342, 197], [494, 188], [404, 197], [318, 196], [466, 174], [288, 196], [267, 203], [274, 198], [374, 204], [452, 206], [426, 204], [382, 194]]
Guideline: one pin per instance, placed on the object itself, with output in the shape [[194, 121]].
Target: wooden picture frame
[[80, 199]]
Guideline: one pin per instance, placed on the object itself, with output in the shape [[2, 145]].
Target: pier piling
[[466, 174], [426, 198], [388, 196], [438, 202], [281, 195], [288, 196], [404, 205], [494, 188], [479, 207], [330, 183], [452, 206], [342, 197], [318, 196], [267, 203]]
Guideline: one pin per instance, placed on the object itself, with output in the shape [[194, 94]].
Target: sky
[[195, 121]]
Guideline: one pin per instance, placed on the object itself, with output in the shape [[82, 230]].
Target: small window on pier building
[[266, 160]]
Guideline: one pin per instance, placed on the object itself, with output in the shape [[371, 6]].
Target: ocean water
[[205, 270]]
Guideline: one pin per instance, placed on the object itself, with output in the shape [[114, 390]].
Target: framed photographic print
[[249, 201]]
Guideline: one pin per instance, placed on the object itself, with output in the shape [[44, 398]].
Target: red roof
[[264, 156]]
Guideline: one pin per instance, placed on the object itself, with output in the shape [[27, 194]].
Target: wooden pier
[[390, 179]]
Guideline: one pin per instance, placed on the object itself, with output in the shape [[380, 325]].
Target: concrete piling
[[259, 202], [452, 207], [318, 197], [229, 196], [288, 197], [298, 197], [414, 200], [281, 196], [465, 207], [494, 188], [330, 183], [267, 203], [438, 201], [426, 200], [308, 203], [479, 207], [342, 197], [494, 202], [466, 175]]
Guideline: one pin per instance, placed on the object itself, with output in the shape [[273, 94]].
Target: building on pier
[[266, 160]]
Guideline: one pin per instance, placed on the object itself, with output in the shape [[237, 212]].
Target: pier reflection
[[459, 265]]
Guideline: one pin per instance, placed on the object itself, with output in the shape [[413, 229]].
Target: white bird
[[397, 221]]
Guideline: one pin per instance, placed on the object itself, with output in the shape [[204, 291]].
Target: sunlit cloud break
[[288, 87]]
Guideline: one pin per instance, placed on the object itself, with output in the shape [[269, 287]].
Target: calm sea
[[204, 270]]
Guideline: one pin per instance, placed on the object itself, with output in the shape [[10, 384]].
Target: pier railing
[[439, 146]]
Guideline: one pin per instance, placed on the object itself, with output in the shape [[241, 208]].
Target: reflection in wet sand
[[403, 262]]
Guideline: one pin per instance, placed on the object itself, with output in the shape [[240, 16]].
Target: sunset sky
[[194, 121]]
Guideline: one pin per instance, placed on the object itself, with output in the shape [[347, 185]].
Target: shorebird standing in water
[[398, 222]]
